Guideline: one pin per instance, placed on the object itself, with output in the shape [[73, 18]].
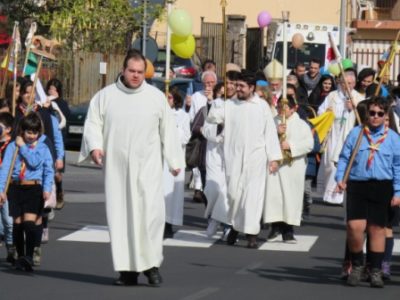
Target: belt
[[26, 182]]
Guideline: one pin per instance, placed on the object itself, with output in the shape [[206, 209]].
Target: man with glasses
[[251, 148], [374, 186]]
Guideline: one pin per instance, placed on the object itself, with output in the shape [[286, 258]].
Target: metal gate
[[254, 49]]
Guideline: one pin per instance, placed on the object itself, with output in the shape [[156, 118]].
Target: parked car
[[77, 118], [183, 67]]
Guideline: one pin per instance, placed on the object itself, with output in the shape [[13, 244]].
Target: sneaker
[[60, 201], [355, 275], [212, 228], [289, 238], [51, 215], [273, 235], [346, 269], [37, 255], [225, 233], [45, 235], [376, 278], [386, 270]]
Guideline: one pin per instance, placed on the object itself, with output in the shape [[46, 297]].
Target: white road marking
[[192, 238], [304, 244], [202, 293], [91, 234]]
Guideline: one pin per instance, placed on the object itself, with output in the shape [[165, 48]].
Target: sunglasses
[[373, 113]]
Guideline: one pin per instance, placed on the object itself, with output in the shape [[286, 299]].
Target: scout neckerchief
[[23, 164], [2, 149], [373, 147], [25, 109]]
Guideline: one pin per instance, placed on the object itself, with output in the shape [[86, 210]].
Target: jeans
[[6, 224]]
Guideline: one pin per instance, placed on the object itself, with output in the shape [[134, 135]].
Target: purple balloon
[[263, 19]]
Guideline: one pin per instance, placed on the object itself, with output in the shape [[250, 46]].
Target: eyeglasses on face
[[373, 113]]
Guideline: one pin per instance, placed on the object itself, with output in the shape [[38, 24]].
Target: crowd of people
[[31, 165], [240, 197], [254, 155]]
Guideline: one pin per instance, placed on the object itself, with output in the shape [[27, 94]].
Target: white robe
[[215, 190], [174, 186], [344, 122], [250, 140], [136, 130], [285, 188], [199, 100]]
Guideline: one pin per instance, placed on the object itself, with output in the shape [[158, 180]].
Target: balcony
[[379, 18]]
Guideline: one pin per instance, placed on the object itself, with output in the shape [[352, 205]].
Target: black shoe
[[168, 232], [376, 278], [354, 277], [288, 237], [24, 263], [232, 237], [127, 279], [11, 254], [153, 276]]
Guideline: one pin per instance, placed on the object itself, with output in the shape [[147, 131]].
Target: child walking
[[30, 185]]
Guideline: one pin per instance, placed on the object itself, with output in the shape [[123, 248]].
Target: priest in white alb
[[285, 188], [337, 102], [130, 130], [251, 149]]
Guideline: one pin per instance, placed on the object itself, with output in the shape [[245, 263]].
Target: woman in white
[[215, 189], [174, 186]]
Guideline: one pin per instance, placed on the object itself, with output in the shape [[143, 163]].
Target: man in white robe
[[215, 190], [337, 102], [174, 186], [129, 130], [251, 147], [285, 188]]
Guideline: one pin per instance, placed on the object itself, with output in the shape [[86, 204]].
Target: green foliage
[[91, 25]]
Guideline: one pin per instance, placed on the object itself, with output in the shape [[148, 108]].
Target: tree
[[92, 25]]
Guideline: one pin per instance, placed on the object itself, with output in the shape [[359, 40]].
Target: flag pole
[[28, 44], [168, 50], [223, 5]]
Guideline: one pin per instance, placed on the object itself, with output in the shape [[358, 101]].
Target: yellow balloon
[[180, 22], [149, 69], [334, 68], [183, 47]]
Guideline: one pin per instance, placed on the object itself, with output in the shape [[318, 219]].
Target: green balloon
[[180, 22], [347, 63], [183, 46]]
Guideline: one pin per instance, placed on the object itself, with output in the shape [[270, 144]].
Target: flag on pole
[[31, 65]]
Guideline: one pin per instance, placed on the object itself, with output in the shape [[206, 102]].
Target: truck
[[316, 42]]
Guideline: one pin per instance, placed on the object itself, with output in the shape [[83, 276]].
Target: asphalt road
[[76, 263]]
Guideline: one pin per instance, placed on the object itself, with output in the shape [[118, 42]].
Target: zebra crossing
[[188, 239]]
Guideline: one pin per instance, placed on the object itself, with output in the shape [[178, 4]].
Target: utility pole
[[342, 28], [144, 32]]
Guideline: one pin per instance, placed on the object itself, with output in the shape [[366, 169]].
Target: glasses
[[373, 113]]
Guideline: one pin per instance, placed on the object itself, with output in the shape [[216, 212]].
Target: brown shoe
[[252, 241], [60, 201], [198, 196]]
